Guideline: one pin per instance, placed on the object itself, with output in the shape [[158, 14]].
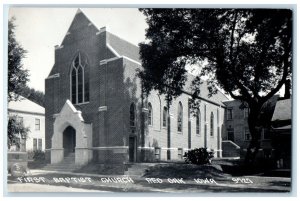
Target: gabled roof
[[123, 47], [25, 105], [283, 110]]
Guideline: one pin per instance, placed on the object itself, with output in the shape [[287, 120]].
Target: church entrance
[[69, 140], [132, 149]]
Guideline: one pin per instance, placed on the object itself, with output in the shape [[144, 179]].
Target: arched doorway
[[69, 140]]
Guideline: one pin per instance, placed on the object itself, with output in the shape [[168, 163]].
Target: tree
[[246, 52], [17, 75], [34, 95], [16, 131], [17, 79]]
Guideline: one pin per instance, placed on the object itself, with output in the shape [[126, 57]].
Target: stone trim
[[102, 109], [57, 47], [57, 75], [113, 50]]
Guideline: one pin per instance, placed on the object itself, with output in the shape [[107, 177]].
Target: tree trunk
[[254, 145]]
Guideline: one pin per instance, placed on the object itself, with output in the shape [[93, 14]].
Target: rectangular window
[[230, 134], [37, 124], [229, 114], [157, 153], [34, 144], [246, 112], [180, 152], [40, 144], [247, 134]]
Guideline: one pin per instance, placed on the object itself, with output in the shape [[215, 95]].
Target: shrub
[[198, 156], [38, 155]]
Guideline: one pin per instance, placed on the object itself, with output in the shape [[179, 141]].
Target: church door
[[69, 140], [132, 149]]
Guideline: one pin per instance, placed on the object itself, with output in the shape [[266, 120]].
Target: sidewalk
[[123, 183]]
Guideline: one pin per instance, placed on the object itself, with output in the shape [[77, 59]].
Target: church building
[[95, 111]]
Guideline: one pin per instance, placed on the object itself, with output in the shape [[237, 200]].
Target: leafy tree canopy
[[17, 75], [246, 52], [34, 95]]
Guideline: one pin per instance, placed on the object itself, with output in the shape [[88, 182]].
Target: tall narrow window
[[229, 114], [247, 134], [150, 114], [165, 116], [80, 84], [40, 144], [230, 133], [212, 124], [34, 144], [246, 112], [79, 80], [179, 117], [37, 124], [73, 82], [198, 120], [132, 115]]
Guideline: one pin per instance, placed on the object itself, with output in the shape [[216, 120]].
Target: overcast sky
[[40, 29]]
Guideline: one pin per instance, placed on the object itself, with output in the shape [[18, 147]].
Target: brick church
[[95, 110]]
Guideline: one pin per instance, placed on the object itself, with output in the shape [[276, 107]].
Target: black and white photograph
[[149, 99]]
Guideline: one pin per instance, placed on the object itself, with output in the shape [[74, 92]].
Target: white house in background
[[33, 116]]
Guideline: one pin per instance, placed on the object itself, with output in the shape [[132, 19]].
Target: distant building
[[236, 137], [33, 116], [282, 130]]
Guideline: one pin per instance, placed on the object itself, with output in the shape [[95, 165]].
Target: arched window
[[150, 114], [198, 120], [179, 117], [132, 115], [79, 80], [212, 124], [165, 116]]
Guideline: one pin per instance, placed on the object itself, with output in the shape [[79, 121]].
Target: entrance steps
[[67, 164], [230, 149], [137, 169]]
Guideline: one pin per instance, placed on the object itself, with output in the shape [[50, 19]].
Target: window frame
[[81, 95], [150, 114], [35, 144], [212, 118], [132, 115], [231, 113], [165, 117], [180, 118], [37, 126], [198, 122], [247, 134], [180, 153]]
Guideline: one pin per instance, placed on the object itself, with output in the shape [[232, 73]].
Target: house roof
[[283, 110], [25, 105]]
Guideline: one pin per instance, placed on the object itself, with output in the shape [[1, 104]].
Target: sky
[[38, 30]]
